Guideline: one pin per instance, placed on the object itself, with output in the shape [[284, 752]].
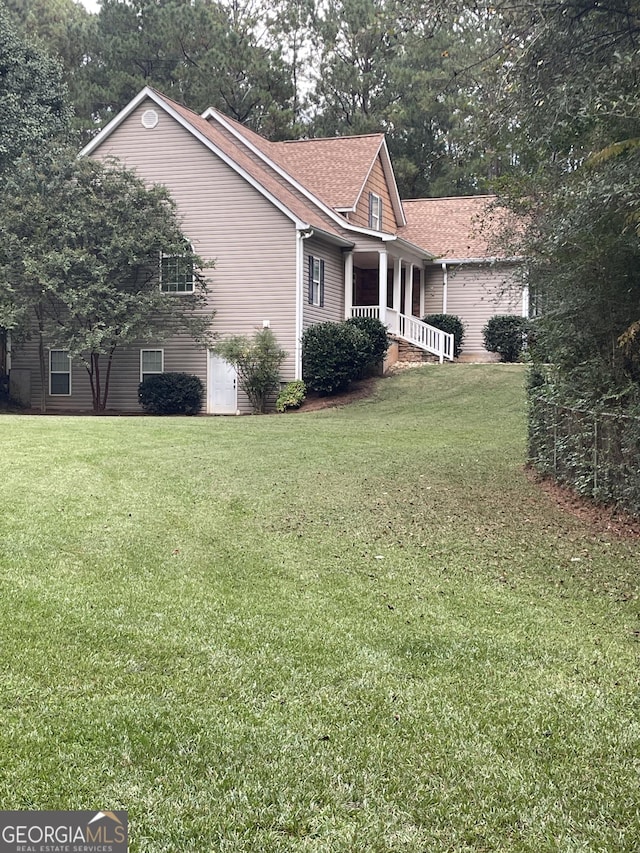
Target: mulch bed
[[357, 391]]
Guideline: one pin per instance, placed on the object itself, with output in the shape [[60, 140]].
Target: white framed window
[[375, 212], [59, 373], [151, 362], [316, 281], [176, 274]]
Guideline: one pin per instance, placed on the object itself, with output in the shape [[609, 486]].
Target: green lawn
[[359, 629]]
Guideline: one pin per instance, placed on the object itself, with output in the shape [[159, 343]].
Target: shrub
[[448, 323], [292, 396], [258, 363], [376, 341], [332, 356], [171, 394], [506, 335]]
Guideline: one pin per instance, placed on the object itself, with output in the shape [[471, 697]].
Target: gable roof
[[336, 169], [268, 167], [292, 204], [455, 228], [333, 169]]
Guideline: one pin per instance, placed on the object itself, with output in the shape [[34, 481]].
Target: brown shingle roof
[[335, 169], [461, 227]]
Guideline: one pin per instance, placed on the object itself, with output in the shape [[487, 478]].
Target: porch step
[[411, 353]]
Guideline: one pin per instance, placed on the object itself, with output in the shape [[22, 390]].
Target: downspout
[[301, 236], [445, 286]]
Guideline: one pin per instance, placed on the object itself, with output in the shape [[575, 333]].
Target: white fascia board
[[423, 254], [329, 211], [330, 238], [396, 201], [461, 261], [157, 99]]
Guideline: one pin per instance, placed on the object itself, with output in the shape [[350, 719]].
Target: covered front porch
[[391, 288]]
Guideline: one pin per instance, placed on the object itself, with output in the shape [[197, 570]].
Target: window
[[59, 373], [375, 212], [151, 361], [316, 281], [176, 274]]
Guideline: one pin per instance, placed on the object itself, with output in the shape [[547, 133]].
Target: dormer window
[[375, 212]]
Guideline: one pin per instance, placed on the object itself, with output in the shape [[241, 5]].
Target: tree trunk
[[107, 378], [96, 389]]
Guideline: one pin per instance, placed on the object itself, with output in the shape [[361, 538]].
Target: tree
[[32, 95], [80, 249], [571, 92], [258, 363], [62, 28], [201, 53], [357, 41]]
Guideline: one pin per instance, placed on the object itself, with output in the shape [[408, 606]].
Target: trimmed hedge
[[332, 356], [448, 323], [376, 342], [171, 394], [506, 334]]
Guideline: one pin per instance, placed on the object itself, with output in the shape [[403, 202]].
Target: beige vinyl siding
[[333, 308], [475, 292], [26, 357], [180, 355], [433, 290], [376, 183], [252, 243]]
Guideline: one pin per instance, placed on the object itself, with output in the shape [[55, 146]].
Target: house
[[301, 232], [466, 277]]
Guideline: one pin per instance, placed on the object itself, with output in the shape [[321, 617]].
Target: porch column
[[422, 293], [382, 287], [348, 284], [408, 292], [397, 287]]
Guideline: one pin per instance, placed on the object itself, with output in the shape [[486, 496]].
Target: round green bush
[[332, 356], [448, 323], [506, 334], [376, 340], [171, 394]]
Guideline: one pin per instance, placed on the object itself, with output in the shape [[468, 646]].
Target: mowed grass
[[359, 629]]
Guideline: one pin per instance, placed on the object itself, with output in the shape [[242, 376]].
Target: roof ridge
[[449, 198], [330, 138]]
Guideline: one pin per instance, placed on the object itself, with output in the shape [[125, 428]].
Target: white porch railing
[[365, 311], [411, 329]]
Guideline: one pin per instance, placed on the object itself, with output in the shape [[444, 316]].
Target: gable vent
[[149, 119]]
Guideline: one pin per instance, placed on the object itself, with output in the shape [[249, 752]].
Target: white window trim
[[151, 372], [56, 394], [375, 212], [316, 281], [190, 292]]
